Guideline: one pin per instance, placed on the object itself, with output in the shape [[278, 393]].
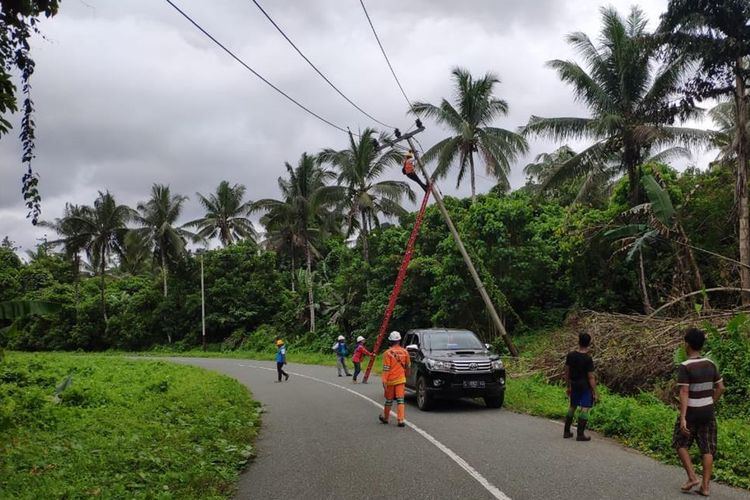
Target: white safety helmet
[[394, 336], [341, 337], [360, 338]]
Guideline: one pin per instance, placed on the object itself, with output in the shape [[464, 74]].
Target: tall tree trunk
[[164, 279], [630, 162], [310, 296], [294, 278], [364, 233], [473, 180], [101, 275], [163, 270], [647, 307], [742, 194], [698, 279]]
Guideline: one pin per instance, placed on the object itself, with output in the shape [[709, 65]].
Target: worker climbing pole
[[399, 282]]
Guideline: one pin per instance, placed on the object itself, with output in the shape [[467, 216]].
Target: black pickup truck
[[452, 364]]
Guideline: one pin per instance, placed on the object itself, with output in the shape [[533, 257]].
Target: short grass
[[122, 429], [641, 422]]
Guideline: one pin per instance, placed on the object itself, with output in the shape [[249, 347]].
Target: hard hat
[[279, 342], [409, 154], [341, 337], [394, 336], [360, 338]]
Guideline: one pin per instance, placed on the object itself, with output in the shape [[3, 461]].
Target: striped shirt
[[700, 375]]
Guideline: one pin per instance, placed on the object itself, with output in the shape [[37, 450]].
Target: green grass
[[641, 422], [123, 429]]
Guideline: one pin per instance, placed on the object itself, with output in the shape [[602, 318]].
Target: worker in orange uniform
[[409, 170], [396, 364]]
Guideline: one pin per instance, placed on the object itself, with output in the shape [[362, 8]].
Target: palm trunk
[[697, 277], [101, 275], [742, 194], [310, 296], [164, 270], [631, 165], [647, 307], [293, 270], [473, 180], [364, 233]]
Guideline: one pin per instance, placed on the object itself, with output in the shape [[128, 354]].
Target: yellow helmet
[[279, 342]]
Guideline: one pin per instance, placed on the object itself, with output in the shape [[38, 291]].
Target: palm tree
[[629, 98], [226, 215], [157, 218], [363, 197], [303, 215], [71, 238], [103, 229], [724, 116], [137, 255], [470, 120]]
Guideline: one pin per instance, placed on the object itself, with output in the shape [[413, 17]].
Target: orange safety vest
[[396, 365], [408, 166]]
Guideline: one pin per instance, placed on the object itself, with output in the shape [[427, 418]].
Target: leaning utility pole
[[461, 248]]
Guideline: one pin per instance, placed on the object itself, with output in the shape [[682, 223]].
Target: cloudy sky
[[129, 93]]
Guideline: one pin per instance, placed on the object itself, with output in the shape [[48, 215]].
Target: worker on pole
[[409, 170], [396, 365]]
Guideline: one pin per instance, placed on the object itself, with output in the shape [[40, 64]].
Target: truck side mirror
[[488, 346], [412, 347]]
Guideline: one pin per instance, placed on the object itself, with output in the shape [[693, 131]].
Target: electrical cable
[[316, 69], [362, 3], [236, 58]]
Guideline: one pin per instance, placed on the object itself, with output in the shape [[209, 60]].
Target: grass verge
[[641, 422], [121, 429]]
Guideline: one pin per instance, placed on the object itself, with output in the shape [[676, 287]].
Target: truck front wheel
[[424, 400]]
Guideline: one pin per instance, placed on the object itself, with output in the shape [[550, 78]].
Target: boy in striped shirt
[[701, 386]]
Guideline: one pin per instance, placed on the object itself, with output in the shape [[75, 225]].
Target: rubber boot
[[582, 423], [568, 422]]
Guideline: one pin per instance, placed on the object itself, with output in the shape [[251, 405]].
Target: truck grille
[[460, 366]]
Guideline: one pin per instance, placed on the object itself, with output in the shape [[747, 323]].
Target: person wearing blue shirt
[[341, 353], [281, 360]]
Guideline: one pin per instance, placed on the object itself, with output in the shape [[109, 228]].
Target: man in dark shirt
[[581, 386], [701, 386]]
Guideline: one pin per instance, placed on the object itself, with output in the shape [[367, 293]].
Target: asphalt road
[[321, 439]]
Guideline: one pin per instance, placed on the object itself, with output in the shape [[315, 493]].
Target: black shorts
[[703, 433]]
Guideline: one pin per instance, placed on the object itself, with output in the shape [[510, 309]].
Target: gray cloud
[[128, 93]]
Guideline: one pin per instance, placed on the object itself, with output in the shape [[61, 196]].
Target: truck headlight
[[437, 365], [497, 364]]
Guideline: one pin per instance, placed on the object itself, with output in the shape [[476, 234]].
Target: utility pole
[[461, 248]]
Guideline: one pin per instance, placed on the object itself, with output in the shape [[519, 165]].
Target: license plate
[[473, 384]]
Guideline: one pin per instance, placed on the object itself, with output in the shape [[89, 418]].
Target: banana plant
[[662, 224], [12, 311]]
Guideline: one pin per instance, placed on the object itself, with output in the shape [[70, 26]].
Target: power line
[[362, 3], [316, 69], [236, 58]]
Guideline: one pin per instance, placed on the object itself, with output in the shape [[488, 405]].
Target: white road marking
[[492, 489]]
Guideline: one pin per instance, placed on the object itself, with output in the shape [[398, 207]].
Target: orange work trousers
[[394, 393]]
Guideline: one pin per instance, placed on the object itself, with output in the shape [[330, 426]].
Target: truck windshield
[[453, 341]]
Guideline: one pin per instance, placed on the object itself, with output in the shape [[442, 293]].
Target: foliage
[[226, 215], [121, 428], [18, 22], [470, 121], [640, 421], [628, 96]]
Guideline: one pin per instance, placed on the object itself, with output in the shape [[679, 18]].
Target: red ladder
[[399, 282]]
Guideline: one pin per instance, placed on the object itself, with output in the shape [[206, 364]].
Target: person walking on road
[[581, 387], [359, 352], [281, 360], [341, 353], [396, 365], [701, 386]]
